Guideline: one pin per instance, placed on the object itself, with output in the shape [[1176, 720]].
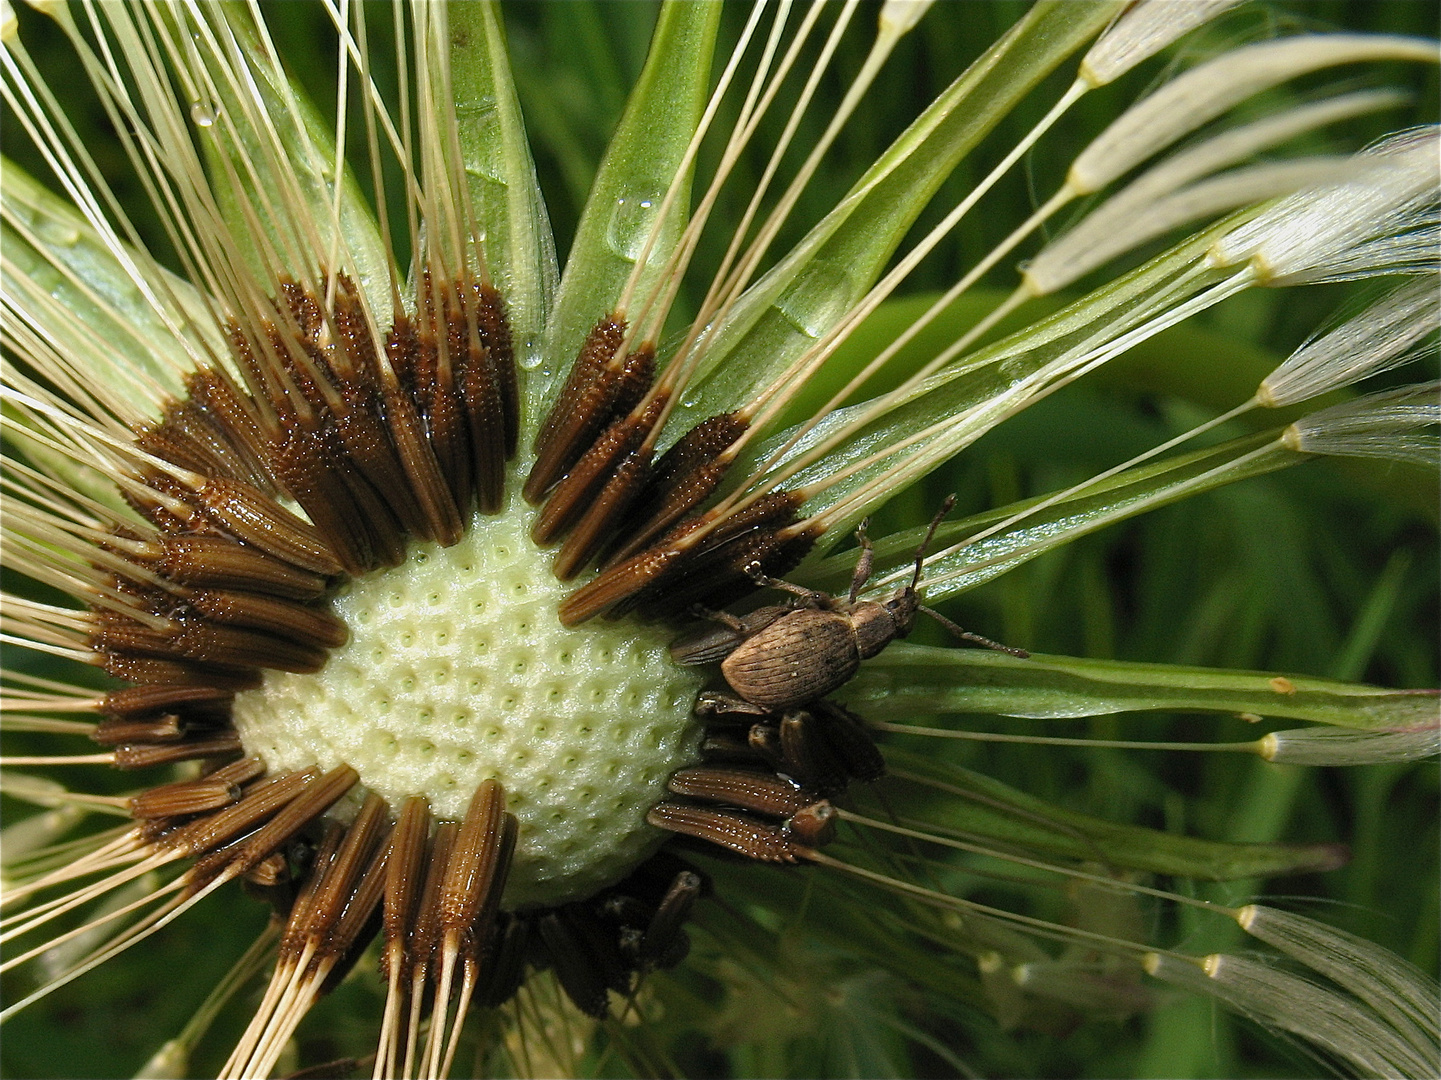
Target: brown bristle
[[588, 536], [680, 481]]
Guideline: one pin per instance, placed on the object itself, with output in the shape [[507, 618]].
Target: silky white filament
[[1388, 425], [1379, 339]]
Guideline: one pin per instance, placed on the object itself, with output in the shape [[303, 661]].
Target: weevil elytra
[[786, 655]]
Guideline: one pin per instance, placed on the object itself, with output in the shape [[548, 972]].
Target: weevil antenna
[[968, 636], [950, 501]]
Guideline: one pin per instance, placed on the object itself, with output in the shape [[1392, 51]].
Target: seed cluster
[[609, 497], [386, 447]]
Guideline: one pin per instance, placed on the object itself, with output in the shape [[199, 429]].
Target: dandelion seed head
[[457, 670]]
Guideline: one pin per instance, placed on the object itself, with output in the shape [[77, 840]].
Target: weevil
[[786, 655]]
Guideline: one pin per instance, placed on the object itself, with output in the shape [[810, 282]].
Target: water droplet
[[630, 225], [203, 113], [820, 296]]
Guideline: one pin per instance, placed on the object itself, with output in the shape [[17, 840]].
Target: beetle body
[[810, 651], [783, 656]]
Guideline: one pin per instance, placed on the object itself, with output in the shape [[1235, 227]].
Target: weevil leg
[[712, 703], [819, 599], [867, 560], [725, 618], [946, 504]]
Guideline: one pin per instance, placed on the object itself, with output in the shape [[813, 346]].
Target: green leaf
[[519, 248], [79, 294], [630, 188], [907, 681], [271, 160], [783, 314], [1137, 490]]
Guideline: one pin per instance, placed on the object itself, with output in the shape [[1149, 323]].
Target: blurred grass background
[[1328, 569]]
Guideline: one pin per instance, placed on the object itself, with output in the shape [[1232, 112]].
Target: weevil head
[[903, 607], [878, 624]]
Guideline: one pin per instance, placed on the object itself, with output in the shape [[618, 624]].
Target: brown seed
[[600, 518], [254, 518], [575, 969], [183, 797], [494, 329], [305, 467], [261, 801], [813, 827], [485, 410], [165, 728], [407, 433], [615, 390], [847, 735], [214, 396], [808, 755], [312, 801], [366, 439], [148, 755], [198, 640], [403, 878], [477, 865], [151, 670], [139, 700], [680, 481], [663, 935], [763, 792], [730, 829], [502, 962], [219, 562], [305, 625], [600, 344]]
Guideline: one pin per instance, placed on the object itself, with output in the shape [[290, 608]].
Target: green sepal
[[906, 681], [981, 809]]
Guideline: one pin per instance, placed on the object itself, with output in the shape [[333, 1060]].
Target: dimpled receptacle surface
[[457, 669]]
